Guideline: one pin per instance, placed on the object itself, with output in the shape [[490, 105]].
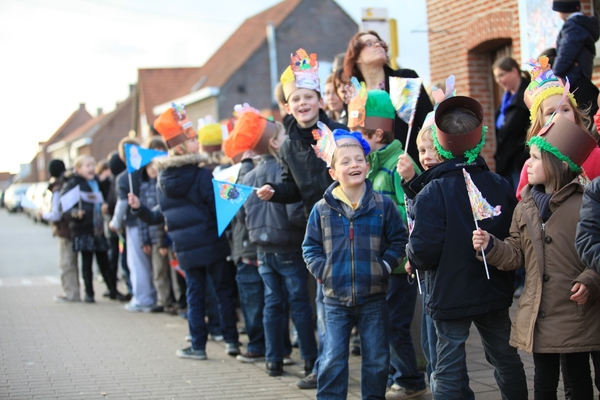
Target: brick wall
[[463, 38], [114, 127]]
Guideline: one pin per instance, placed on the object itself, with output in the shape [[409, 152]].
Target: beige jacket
[[547, 321]]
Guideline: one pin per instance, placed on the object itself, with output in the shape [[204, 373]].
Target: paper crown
[[303, 73], [341, 136], [566, 140], [174, 126], [371, 109], [251, 132], [210, 134], [459, 145], [543, 85], [440, 95], [328, 141]]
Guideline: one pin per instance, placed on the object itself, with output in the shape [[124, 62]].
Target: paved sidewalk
[[101, 351]]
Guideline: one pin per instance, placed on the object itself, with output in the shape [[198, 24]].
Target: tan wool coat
[[547, 321]]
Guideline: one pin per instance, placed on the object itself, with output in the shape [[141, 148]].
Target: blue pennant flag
[[229, 198], [138, 156]]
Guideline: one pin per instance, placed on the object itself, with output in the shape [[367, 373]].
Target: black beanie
[[56, 168], [116, 165], [566, 6]]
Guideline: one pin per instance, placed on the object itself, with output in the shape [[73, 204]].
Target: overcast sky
[[57, 54]]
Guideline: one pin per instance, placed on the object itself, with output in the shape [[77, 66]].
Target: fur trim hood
[[162, 163]]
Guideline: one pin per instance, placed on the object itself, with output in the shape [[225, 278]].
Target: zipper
[[352, 261]]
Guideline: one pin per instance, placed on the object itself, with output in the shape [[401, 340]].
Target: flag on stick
[[404, 93], [138, 157], [70, 198], [481, 209], [229, 198]]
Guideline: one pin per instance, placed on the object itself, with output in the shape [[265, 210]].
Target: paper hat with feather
[[174, 126], [251, 132], [303, 73], [466, 145], [566, 140], [543, 85], [371, 109]]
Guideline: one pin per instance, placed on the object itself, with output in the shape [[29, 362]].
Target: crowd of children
[[337, 200]]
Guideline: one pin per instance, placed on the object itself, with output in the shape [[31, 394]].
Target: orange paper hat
[[251, 132], [303, 72], [174, 126]]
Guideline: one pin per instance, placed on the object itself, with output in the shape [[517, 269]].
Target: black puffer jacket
[[86, 224], [511, 153], [272, 227], [186, 198], [441, 241], [587, 239], [575, 48], [304, 176]]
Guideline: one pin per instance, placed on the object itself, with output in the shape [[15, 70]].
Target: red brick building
[[466, 37]]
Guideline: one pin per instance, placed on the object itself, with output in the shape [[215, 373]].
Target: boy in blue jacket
[[354, 239]]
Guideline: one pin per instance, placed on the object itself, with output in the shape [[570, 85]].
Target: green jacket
[[385, 180]]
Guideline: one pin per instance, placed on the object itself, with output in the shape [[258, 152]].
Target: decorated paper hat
[[467, 145], [251, 132], [566, 6], [371, 109], [328, 141], [303, 73], [566, 140], [543, 85], [341, 136], [174, 126], [210, 134]]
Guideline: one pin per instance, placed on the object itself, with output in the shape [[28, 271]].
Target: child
[[377, 128], [278, 230], [457, 292], [334, 105], [576, 50], [186, 199], [304, 176], [354, 239], [87, 226], [558, 312], [543, 97], [67, 258]]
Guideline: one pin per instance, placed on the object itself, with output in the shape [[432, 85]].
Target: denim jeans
[[401, 300], [196, 280], [320, 307], [286, 273], [252, 301], [494, 329], [429, 344], [372, 321], [211, 303]]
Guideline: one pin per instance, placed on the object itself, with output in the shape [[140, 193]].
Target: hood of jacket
[[176, 173], [590, 24]]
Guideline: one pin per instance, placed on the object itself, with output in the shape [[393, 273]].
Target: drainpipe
[[272, 45]]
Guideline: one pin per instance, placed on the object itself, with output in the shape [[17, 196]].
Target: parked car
[[35, 200], [12, 197], [2, 198]]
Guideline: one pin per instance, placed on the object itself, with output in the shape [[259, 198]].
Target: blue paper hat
[[340, 134]]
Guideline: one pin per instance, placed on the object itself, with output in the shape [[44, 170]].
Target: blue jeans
[[285, 274], [401, 300], [252, 300], [429, 344], [212, 308], [494, 329], [222, 277], [372, 321], [320, 307]]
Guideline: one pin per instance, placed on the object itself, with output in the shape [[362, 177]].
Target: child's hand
[[265, 192], [147, 249], [405, 167], [133, 201], [111, 227], [582, 294], [80, 213], [409, 269], [480, 239], [163, 251], [104, 208]]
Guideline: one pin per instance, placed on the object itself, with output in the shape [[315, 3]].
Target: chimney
[[99, 109], [82, 106], [132, 88]]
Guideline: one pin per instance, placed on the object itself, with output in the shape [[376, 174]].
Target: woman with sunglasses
[[367, 59]]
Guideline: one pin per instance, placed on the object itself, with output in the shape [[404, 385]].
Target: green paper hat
[[379, 111]]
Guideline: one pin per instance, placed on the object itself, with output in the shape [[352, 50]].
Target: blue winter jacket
[[186, 199], [346, 254], [441, 246], [575, 48]]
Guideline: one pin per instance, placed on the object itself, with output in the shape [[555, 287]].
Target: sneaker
[[188, 338], [397, 392], [132, 307], [89, 298], [249, 357], [309, 382], [232, 349], [61, 298], [216, 338], [188, 352], [287, 360]]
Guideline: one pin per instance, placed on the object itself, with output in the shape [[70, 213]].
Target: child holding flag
[[558, 312], [457, 290], [87, 225]]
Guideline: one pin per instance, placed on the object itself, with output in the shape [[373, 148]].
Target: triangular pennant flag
[[229, 198], [228, 174], [70, 198], [480, 206], [137, 156], [404, 93]]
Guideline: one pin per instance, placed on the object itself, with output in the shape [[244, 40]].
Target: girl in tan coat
[[559, 311]]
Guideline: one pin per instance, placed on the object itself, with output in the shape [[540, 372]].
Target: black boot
[[275, 368]]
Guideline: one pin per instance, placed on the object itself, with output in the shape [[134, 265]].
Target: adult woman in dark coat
[[368, 61], [512, 120]]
